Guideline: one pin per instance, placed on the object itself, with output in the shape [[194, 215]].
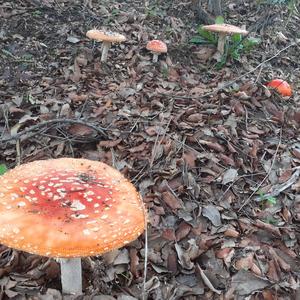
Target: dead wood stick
[[30, 130]]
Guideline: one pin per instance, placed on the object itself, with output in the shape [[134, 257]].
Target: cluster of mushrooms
[[156, 46], [71, 208], [108, 37]]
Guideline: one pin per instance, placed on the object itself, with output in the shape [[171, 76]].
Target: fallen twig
[[30, 130]]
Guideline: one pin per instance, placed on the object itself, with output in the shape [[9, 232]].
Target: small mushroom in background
[[68, 208], [281, 86], [223, 30], [156, 47], [107, 37]]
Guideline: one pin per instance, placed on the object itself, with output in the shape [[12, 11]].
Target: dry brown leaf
[[134, 262], [226, 159], [285, 266], [182, 231], [77, 98], [138, 148], [268, 227], [211, 145], [231, 233], [109, 144], [172, 201], [80, 130], [190, 158], [169, 234]]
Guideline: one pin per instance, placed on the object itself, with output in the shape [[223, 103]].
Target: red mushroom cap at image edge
[[157, 46], [68, 208], [281, 86]]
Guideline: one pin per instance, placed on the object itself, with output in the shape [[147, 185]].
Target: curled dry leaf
[[172, 201], [80, 130], [231, 233], [109, 144]]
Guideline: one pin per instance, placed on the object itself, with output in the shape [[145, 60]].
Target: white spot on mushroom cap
[[86, 232], [77, 205], [81, 216], [14, 196], [95, 229]]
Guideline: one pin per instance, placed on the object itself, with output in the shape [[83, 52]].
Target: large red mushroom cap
[[68, 208]]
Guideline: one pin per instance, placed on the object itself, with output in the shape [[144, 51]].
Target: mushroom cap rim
[[105, 36], [225, 28]]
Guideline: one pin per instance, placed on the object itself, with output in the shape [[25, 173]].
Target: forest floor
[[213, 152]]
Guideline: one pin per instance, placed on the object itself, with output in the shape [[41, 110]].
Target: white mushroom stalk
[[221, 43], [71, 275], [105, 47], [155, 57]]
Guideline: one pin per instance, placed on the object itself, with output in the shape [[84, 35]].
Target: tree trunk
[[215, 7], [201, 15]]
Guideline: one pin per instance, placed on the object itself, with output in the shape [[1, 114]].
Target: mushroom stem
[[155, 57], [221, 43], [105, 48], [71, 275]]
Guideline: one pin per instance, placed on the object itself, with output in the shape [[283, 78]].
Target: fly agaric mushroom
[[223, 30], [156, 47], [107, 37], [281, 86], [68, 208]]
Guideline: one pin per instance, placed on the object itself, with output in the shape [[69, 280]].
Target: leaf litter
[[196, 160]]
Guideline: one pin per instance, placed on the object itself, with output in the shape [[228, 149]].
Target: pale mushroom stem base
[[155, 57], [71, 275], [221, 43], [105, 48]]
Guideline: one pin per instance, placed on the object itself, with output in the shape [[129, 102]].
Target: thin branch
[[29, 131]]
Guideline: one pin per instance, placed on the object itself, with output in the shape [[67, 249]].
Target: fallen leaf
[[229, 175], [246, 283], [212, 214], [172, 201]]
